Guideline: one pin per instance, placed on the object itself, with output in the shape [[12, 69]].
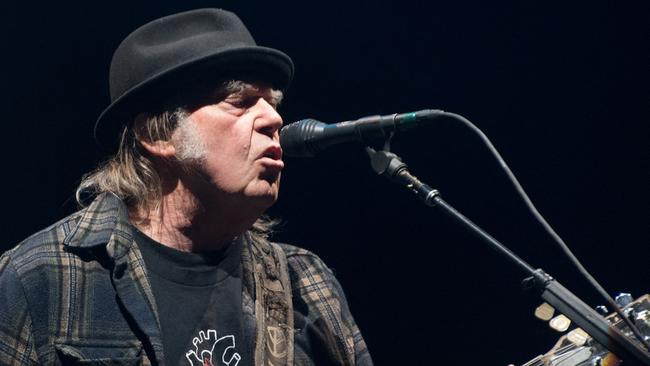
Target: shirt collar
[[104, 221]]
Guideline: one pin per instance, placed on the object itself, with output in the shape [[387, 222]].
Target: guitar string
[[540, 361], [537, 361], [565, 355]]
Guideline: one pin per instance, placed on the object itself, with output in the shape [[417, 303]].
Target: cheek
[[223, 134], [228, 153]]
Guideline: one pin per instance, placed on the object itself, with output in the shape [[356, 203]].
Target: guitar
[[577, 348]]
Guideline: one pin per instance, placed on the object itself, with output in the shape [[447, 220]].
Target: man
[[169, 262]]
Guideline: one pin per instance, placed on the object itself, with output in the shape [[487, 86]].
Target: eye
[[243, 102]]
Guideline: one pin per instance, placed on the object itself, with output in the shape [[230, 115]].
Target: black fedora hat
[[155, 59]]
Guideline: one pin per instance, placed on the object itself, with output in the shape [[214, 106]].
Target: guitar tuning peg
[[602, 310], [560, 323], [544, 312], [623, 299], [577, 336]]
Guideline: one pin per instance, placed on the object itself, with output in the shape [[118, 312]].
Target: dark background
[[561, 89]]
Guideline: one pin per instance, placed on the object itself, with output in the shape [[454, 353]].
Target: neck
[[187, 222]]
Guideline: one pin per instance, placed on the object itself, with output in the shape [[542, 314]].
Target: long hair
[[131, 175]]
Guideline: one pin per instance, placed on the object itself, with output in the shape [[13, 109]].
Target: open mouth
[[273, 152]]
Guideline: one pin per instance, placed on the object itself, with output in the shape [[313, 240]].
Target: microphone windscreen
[[300, 139]]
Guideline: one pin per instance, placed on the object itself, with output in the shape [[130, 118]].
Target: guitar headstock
[[577, 348]]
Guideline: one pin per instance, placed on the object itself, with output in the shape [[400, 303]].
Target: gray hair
[[130, 173]]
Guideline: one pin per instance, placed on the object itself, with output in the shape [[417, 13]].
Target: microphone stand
[[391, 166]]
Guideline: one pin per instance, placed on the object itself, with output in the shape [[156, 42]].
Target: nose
[[269, 120]]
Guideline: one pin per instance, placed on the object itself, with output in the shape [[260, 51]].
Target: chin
[[260, 204], [265, 197], [262, 192], [270, 196]]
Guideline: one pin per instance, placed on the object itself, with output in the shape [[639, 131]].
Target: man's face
[[235, 145]]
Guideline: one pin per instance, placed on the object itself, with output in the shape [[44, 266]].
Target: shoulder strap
[[273, 305]]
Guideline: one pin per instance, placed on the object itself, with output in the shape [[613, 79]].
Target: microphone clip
[[391, 166]]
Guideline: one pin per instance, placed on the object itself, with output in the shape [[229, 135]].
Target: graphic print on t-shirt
[[212, 351]]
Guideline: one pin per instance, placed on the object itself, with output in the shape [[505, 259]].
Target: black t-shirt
[[198, 296]]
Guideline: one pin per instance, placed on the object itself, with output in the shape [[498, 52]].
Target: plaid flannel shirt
[[78, 291]]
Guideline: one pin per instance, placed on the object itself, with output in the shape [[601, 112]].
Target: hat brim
[[273, 65]]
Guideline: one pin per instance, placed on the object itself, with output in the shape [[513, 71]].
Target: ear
[[159, 148]]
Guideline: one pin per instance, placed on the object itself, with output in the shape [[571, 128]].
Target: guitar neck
[[568, 351]]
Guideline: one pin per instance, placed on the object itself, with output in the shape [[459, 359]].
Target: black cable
[[601, 291]]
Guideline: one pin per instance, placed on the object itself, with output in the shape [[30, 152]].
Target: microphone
[[308, 137]]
